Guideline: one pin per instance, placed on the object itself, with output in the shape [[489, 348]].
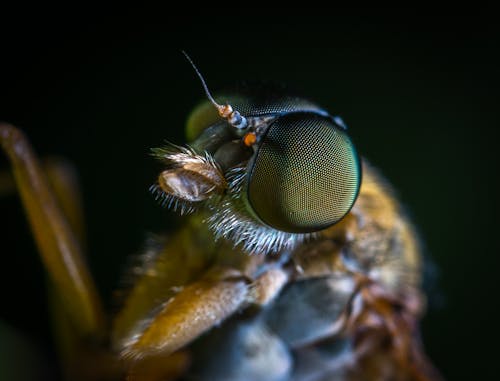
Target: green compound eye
[[305, 175]]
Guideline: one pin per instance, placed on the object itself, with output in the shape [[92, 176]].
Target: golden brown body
[[373, 252]]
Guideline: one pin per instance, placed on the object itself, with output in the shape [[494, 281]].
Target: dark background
[[419, 94]]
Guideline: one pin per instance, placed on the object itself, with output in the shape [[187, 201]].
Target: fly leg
[[152, 352], [385, 331], [196, 307], [49, 197]]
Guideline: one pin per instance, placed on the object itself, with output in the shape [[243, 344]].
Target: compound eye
[[305, 175]]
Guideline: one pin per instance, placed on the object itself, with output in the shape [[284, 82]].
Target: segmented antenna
[[233, 117]]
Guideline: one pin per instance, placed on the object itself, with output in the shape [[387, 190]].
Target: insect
[[294, 262]]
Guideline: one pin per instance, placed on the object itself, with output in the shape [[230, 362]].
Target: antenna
[[233, 117]]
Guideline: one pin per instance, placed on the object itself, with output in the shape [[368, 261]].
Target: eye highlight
[[305, 175]]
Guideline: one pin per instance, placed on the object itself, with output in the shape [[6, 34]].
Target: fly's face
[[289, 172]]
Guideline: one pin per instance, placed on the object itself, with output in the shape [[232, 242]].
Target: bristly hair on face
[[229, 219], [196, 181], [188, 180]]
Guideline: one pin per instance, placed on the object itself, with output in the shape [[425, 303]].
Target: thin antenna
[[207, 92], [233, 117]]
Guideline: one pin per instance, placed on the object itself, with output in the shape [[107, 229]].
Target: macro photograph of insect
[[270, 203]]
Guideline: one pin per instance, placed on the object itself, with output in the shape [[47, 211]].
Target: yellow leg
[[200, 306], [63, 180], [159, 368], [56, 241]]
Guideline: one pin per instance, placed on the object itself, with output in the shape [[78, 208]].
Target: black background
[[419, 94]]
